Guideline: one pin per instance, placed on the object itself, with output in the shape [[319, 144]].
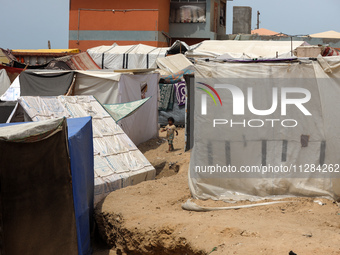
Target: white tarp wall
[[126, 57], [4, 81], [113, 88], [174, 63], [117, 161], [13, 91], [103, 85], [142, 125], [239, 49], [314, 141]]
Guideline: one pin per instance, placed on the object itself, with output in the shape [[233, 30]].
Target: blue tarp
[[80, 142], [82, 167]]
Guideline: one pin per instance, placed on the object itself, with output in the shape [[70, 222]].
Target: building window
[[187, 11], [223, 8]]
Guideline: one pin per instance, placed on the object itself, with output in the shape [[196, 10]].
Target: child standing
[[171, 129]]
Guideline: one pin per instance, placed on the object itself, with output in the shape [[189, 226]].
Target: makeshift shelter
[[106, 86], [117, 161], [228, 135], [113, 88], [126, 57], [47, 195], [237, 49]]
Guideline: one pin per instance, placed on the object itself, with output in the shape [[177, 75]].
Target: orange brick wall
[[98, 21]]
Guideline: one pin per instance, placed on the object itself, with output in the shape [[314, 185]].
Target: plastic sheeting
[[113, 88], [102, 85], [4, 81], [123, 110], [126, 57], [45, 83], [142, 125], [82, 168], [108, 88], [80, 152], [314, 141], [13, 92], [117, 161], [174, 63], [37, 208], [83, 61], [252, 49]]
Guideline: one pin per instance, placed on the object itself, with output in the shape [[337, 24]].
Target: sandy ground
[[148, 219]]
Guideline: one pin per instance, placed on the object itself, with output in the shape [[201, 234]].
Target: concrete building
[[151, 22], [242, 20], [210, 26]]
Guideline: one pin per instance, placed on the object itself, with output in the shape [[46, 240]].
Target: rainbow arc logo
[[209, 93]]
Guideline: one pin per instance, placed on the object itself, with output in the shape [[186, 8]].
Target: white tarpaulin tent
[[117, 161], [235, 142], [126, 57], [235, 48]]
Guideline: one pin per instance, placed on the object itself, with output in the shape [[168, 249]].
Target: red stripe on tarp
[[83, 61]]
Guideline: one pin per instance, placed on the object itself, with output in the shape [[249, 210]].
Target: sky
[[30, 24]]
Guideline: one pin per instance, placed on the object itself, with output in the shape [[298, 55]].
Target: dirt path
[[148, 219]]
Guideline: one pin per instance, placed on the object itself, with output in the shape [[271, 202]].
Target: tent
[[108, 87], [113, 88], [252, 49], [117, 161], [47, 195], [126, 57], [235, 157]]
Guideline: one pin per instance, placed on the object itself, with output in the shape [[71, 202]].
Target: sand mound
[[147, 218]]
